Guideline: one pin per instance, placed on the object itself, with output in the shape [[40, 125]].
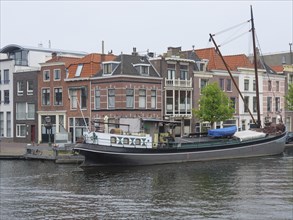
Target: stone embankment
[[13, 150]]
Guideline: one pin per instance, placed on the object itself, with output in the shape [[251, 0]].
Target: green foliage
[[289, 98], [214, 105]]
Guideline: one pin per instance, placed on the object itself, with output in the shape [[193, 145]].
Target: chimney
[[102, 47], [54, 55], [134, 51]]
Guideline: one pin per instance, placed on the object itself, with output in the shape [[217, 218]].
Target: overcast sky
[[146, 25]]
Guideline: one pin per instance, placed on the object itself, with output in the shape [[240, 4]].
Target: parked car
[[289, 138]]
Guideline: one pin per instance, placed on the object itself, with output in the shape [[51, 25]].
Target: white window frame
[[78, 70], [142, 98], [18, 130], [59, 74], [29, 91], [55, 103], [19, 91], [46, 72]]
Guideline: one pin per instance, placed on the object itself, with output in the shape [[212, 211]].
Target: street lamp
[[48, 126]]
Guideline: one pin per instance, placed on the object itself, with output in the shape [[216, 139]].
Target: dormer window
[[143, 69], [202, 65], [78, 70], [109, 67]]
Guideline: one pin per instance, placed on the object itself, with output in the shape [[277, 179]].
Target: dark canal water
[[257, 188]]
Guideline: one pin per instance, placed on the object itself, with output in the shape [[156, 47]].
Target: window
[[57, 74], [142, 68], [246, 103], [46, 75], [229, 85], [254, 85], [46, 96], [169, 101], [97, 99], [171, 71], [6, 97], [58, 96], [277, 86], [222, 84], [6, 77], [8, 124], [25, 111], [30, 111], [183, 72], [270, 85], [20, 130], [20, 111], [79, 69], [83, 98], [277, 102], [20, 88], [246, 84], [203, 83], [109, 67], [142, 98], [254, 104], [129, 98], [269, 104], [153, 99], [30, 87], [111, 98], [73, 99], [21, 58]]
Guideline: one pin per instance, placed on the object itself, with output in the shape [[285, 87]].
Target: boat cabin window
[[137, 142], [113, 140], [125, 141]]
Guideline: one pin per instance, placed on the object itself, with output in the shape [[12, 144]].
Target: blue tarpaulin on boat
[[222, 132]]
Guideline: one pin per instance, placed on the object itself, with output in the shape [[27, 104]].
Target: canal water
[[255, 188]]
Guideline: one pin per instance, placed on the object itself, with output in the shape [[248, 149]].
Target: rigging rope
[[228, 29], [232, 39]]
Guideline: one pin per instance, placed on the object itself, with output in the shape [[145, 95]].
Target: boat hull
[[98, 155]]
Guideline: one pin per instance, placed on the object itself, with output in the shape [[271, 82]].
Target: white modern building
[[14, 59]]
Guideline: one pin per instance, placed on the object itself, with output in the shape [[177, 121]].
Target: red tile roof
[[278, 69], [91, 64], [66, 60], [216, 63]]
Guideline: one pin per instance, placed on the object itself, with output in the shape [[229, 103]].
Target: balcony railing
[[178, 83]]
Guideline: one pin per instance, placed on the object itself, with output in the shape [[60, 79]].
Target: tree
[[289, 98], [214, 105]]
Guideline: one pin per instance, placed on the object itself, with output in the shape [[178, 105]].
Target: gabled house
[[79, 86], [126, 90], [176, 69], [53, 97]]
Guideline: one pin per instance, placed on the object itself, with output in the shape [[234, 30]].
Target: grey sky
[[153, 25]]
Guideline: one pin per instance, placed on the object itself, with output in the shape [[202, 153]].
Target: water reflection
[[256, 188]]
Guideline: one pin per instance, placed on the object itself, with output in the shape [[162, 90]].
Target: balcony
[[178, 83]]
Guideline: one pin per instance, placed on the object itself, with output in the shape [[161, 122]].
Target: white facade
[[15, 58], [247, 86], [6, 97]]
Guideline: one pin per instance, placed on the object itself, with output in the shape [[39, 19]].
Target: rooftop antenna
[[102, 47]]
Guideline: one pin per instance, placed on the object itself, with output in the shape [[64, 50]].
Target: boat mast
[[231, 76], [255, 69]]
